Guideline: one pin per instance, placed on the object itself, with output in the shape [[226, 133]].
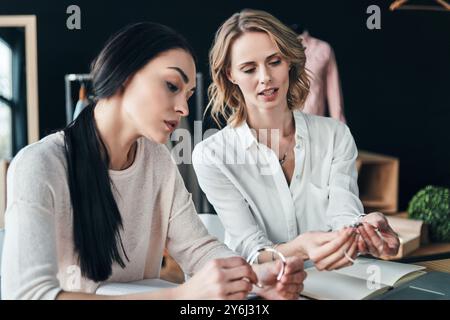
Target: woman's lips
[[171, 124], [269, 94]]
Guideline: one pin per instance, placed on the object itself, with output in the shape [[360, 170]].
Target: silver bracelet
[[254, 257], [357, 221], [274, 247]]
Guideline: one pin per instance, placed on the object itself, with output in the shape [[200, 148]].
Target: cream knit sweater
[[157, 211]]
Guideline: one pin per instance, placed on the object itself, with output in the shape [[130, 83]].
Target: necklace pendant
[[283, 160]]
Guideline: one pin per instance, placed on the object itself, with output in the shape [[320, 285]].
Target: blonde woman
[[276, 176]]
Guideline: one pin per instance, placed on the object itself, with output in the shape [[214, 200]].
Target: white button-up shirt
[[245, 183]]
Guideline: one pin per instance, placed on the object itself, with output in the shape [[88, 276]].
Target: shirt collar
[[245, 135], [301, 129], [248, 139]]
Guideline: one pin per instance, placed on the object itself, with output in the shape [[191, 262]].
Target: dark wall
[[396, 80]]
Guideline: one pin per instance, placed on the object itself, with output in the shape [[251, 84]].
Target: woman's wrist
[[176, 293], [296, 247], [274, 247]]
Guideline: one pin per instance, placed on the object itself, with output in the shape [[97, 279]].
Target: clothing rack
[[69, 78]]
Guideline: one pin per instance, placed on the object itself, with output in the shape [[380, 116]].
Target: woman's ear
[[230, 76]]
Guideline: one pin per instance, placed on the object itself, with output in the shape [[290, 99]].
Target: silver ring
[[348, 257]]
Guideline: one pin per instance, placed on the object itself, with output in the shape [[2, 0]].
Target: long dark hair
[[96, 218]]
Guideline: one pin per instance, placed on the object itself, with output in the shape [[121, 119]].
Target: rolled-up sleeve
[[344, 203]]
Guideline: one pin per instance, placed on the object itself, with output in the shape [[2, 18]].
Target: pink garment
[[325, 85]]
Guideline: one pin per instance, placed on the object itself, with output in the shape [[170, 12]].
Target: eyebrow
[[268, 58], [182, 73]]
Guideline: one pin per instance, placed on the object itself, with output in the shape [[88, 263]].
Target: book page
[[147, 285], [389, 273], [326, 285]]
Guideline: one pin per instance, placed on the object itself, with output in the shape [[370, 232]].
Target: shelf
[[378, 182], [375, 202]]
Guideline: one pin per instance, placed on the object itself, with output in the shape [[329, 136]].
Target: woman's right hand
[[224, 278], [326, 249]]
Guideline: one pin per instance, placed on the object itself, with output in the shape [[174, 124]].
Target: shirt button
[[297, 176], [298, 136], [297, 146]]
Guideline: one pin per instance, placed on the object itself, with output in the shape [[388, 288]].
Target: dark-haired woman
[[101, 199]]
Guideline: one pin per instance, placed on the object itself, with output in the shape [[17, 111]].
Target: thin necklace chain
[[283, 159]]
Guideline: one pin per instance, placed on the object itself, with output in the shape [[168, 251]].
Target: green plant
[[432, 205]]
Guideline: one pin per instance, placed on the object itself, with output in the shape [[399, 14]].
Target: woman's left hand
[[290, 284], [385, 242]]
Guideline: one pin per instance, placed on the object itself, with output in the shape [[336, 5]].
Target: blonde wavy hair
[[226, 99]]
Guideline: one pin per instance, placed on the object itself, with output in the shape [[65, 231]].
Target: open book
[[365, 279], [147, 285]]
